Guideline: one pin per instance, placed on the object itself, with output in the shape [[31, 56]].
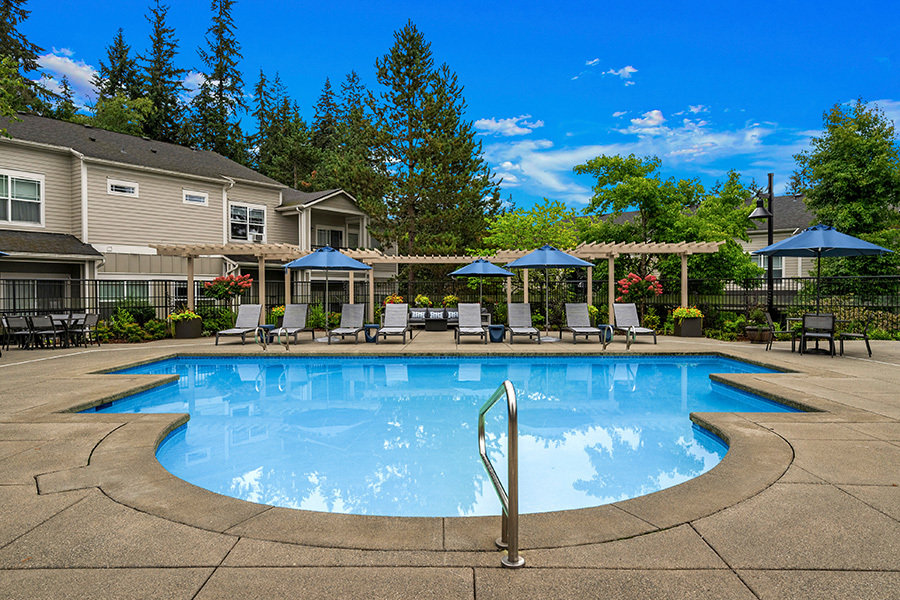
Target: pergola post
[[684, 280], [352, 291], [590, 286], [287, 287], [371, 295], [525, 277], [262, 289], [508, 291], [190, 280], [611, 284]]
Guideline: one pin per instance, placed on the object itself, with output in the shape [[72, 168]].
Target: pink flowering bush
[[637, 289], [227, 286]]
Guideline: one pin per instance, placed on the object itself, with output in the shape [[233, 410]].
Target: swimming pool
[[398, 436]]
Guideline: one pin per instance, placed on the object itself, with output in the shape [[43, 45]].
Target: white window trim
[[185, 193], [343, 231], [249, 207], [39, 177], [111, 182]]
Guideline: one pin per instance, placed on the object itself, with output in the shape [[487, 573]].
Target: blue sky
[[706, 86]]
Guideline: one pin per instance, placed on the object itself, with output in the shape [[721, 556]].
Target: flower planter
[[690, 327], [757, 335], [188, 328]]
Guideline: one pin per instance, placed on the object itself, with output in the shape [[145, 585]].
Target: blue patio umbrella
[[327, 259], [821, 241], [481, 268], [547, 257]]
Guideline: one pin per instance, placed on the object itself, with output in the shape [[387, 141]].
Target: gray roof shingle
[[34, 242], [292, 197], [128, 149]]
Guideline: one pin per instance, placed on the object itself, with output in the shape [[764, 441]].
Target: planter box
[[757, 335], [692, 327], [188, 328]]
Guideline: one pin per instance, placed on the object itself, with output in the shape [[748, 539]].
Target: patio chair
[[470, 322], [351, 322], [627, 321], [520, 322], [17, 329], [775, 333], [294, 322], [864, 336], [85, 330], [578, 321], [395, 321], [44, 331], [246, 322], [817, 327]]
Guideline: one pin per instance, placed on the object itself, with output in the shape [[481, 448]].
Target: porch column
[[190, 280], [262, 289], [525, 277], [352, 291], [287, 287], [372, 294], [611, 284], [590, 285], [508, 291], [684, 280]]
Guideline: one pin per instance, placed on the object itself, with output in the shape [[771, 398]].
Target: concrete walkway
[[805, 505]]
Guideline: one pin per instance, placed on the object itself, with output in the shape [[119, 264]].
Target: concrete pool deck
[[805, 505]]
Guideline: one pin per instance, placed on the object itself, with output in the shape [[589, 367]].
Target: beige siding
[[150, 266], [791, 266], [56, 167], [280, 229], [158, 216], [339, 203]]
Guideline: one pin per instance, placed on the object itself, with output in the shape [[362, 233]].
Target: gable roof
[[38, 242], [128, 149], [292, 197], [790, 213]]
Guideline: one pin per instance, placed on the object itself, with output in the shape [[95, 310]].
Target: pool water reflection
[[398, 436]]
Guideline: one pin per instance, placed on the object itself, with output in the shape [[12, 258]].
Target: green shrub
[[651, 319], [501, 312], [140, 310], [156, 329], [215, 319], [102, 332], [316, 317]]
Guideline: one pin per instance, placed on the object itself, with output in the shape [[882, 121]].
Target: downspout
[[225, 218]]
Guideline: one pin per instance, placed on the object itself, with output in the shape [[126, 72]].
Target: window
[[330, 237], [248, 222], [115, 187], [21, 198], [195, 198], [777, 265]]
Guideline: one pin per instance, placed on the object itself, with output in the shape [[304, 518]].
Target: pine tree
[[262, 112], [65, 105], [28, 95], [324, 128], [440, 190], [221, 94], [118, 76], [162, 80]]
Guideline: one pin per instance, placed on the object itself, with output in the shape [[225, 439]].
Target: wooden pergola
[[287, 252]]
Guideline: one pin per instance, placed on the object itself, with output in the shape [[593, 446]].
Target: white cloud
[[624, 73], [698, 108], [507, 127], [191, 82], [59, 63], [592, 63], [620, 113]]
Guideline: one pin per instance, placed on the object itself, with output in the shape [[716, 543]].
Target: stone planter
[[188, 328], [757, 334], [691, 327]]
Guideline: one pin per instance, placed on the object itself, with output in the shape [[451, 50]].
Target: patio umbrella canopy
[[547, 257], [821, 241], [481, 268], [327, 259]]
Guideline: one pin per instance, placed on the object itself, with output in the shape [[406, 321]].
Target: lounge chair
[[817, 327], [520, 322], [848, 335], [351, 322], [294, 322], [395, 321], [578, 321], [246, 322], [470, 322], [627, 321]]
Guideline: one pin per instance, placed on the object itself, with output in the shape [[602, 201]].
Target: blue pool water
[[398, 436]]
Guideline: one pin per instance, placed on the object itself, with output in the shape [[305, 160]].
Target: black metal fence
[[157, 298]]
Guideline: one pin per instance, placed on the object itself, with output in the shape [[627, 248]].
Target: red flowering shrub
[[227, 286], [637, 289]]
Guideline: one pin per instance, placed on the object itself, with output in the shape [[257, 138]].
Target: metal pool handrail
[[510, 520]]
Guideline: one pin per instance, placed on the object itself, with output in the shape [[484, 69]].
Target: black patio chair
[[19, 330], [46, 332], [775, 334], [864, 336], [817, 327]]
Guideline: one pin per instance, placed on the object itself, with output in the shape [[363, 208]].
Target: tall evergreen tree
[[420, 127], [220, 98], [119, 75], [29, 95], [324, 126], [65, 105], [162, 79]]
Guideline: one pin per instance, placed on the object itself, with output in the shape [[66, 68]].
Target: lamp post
[[760, 212]]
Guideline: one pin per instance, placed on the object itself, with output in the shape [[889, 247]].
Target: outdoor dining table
[[69, 324]]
